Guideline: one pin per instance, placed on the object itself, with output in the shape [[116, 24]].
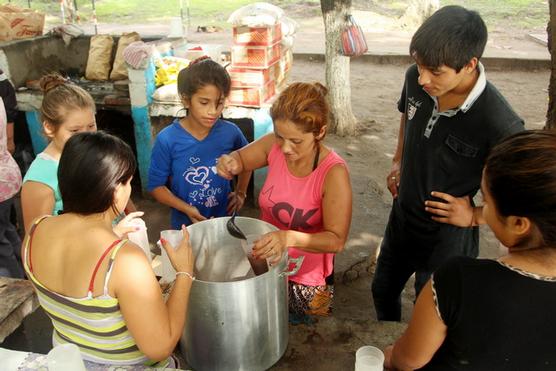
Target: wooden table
[[18, 301]]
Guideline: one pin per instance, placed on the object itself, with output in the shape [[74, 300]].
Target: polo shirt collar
[[477, 90]]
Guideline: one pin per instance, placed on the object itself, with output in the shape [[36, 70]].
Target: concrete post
[[141, 89]]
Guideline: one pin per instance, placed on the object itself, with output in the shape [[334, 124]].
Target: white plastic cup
[[369, 358], [140, 237], [173, 237], [65, 357]]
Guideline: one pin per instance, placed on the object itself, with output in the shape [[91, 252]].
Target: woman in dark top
[[480, 314]]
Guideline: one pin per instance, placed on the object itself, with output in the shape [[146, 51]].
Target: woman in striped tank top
[[99, 291]]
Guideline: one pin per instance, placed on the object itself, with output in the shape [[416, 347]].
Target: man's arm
[[454, 210], [393, 178]]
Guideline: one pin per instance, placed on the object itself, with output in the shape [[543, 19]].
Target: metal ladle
[[231, 226]]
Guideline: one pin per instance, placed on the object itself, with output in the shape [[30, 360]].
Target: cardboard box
[[248, 77], [255, 56], [261, 36], [252, 97]]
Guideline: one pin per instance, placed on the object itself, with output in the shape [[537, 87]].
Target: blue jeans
[[10, 244], [404, 252]]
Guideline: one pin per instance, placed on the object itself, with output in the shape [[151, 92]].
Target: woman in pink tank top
[[307, 193]]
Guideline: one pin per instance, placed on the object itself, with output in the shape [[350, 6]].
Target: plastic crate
[[249, 77], [262, 36], [252, 97], [255, 56]]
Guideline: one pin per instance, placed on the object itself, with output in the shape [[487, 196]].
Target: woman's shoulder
[[272, 148], [334, 158], [43, 169], [333, 164], [44, 160], [467, 266]]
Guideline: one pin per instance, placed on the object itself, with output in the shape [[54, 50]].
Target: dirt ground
[[375, 90]]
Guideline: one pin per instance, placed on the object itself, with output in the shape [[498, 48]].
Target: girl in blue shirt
[[182, 173]]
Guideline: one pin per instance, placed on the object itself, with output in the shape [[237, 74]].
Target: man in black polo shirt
[[451, 118]]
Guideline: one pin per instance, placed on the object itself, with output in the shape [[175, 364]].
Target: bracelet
[[186, 274], [241, 193]]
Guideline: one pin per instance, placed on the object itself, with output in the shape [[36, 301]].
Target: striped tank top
[[94, 324]]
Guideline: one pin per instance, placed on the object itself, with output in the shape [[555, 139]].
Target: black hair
[[520, 174], [201, 72], [92, 165], [452, 36]]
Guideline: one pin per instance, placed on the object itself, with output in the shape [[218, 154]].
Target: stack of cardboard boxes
[[259, 64]]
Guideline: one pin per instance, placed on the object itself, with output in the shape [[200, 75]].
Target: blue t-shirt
[[187, 166]]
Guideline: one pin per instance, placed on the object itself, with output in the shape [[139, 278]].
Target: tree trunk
[[551, 30], [418, 11], [342, 120], [69, 12]]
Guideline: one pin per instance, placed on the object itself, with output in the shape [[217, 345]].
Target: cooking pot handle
[[297, 261]]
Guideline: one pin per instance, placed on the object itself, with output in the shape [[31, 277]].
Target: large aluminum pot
[[235, 325]]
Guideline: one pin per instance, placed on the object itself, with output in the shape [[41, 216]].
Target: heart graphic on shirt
[[194, 160], [193, 194], [197, 176]]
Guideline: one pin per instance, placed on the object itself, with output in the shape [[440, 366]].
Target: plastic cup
[[140, 237], [174, 237], [247, 246], [369, 358], [65, 357], [259, 266]]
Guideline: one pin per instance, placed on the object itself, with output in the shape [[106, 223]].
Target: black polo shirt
[[446, 151]]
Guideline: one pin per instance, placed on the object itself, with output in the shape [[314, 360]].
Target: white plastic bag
[[256, 14], [289, 26], [167, 94]]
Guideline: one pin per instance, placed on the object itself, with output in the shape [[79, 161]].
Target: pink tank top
[[290, 202]]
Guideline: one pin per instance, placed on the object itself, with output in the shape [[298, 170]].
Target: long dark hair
[[92, 165], [520, 174], [201, 72]]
